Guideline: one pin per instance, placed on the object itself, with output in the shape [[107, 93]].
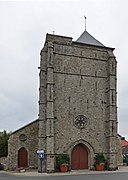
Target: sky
[[23, 28]]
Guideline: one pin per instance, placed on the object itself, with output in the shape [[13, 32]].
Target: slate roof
[[25, 126], [86, 38], [124, 143]]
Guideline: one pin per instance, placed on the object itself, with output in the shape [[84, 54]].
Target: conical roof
[[86, 38]]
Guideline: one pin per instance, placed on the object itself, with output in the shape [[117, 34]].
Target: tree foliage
[[4, 136]]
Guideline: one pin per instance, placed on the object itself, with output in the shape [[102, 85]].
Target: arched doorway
[[22, 157], [79, 157]]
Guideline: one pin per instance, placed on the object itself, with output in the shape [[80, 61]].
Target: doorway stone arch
[[84, 147]]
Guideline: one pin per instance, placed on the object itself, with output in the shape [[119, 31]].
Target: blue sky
[[24, 25]]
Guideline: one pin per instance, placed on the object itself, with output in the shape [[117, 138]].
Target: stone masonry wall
[[80, 83]]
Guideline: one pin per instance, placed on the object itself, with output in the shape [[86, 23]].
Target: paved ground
[[100, 176], [122, 169]]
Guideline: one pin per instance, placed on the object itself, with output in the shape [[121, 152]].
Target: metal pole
[[40, 165]]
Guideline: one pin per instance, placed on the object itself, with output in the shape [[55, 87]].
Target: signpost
[[41, 157]]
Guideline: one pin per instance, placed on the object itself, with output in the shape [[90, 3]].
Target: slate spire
[[86, 38]]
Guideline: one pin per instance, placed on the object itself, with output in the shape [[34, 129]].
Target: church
[[77, 106]]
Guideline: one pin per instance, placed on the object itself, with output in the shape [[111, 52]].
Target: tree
[[4, 136]]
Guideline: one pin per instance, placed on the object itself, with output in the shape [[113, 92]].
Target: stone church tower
[[77, 101]]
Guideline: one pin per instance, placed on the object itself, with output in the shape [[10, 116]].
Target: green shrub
[[99, 159], [62, 159]]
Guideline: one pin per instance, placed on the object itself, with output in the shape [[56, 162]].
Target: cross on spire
[[85, 22]]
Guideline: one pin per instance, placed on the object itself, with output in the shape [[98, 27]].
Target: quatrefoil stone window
[[80, 122], [22, 137]]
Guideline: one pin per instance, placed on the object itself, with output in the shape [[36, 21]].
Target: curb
[[79, 172]]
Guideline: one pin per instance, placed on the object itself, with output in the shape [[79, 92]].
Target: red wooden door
[[22, 158], [79, 157]]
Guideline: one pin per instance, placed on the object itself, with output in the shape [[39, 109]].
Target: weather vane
[[85, 22]]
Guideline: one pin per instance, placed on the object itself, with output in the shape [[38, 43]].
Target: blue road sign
[[41, 155]]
